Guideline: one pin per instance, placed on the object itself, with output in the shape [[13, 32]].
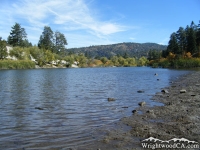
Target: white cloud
[[62, 15], [64, 12], [132, 38], [164, 41]]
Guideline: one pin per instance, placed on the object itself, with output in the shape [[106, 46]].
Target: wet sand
[[178, 118]]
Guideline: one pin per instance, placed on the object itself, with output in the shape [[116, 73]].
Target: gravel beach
[[178, 118]]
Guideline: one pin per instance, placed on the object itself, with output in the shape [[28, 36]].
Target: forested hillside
[[130, 49]]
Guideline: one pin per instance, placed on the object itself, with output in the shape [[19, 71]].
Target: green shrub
[[165, 64], [155, 65]]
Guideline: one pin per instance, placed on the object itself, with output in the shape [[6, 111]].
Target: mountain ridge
[[131, 49]]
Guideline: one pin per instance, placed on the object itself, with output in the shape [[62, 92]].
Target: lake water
[[73, 103]]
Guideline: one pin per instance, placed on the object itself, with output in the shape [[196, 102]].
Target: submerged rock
[[39, 108], [125, 107], [111, 99]]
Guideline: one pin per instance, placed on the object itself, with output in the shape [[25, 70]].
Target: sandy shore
[[178, 118]]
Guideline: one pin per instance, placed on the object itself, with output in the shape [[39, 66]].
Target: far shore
[[178, 118]]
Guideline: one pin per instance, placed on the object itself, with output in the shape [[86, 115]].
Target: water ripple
[[61, 108]]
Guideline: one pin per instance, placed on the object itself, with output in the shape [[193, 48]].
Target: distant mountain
[[131, 49]]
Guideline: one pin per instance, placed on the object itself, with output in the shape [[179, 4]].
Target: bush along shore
[[16, 64], [177, 118], [176, 63]]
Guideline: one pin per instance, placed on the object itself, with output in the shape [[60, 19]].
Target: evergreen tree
[[173, 44], [154, 54], [181, 39], [126, 55], [46, 39], [17, 35], [198, 37], [191, 40]]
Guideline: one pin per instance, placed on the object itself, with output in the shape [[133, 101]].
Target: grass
[[16, 64]]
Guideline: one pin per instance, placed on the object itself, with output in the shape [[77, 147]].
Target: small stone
[[150, 111], [111, 99], [183, 91], [141, 103], [106, 140], [164, 91], [155, 74], [134, 111], [158, 79], [169, 103]]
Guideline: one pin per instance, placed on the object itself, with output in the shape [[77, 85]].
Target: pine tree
[[198, 37], [46, 39], [181, 39], [191, 39], [173, 44], [17, 35]]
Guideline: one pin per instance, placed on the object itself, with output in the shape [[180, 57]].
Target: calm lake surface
[[73, 101]]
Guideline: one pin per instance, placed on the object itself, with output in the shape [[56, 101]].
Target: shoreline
[[178, 118]]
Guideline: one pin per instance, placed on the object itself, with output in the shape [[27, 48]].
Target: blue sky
[[99, 22]]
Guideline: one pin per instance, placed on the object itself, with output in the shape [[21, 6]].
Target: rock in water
[[39, 108], [140, 91]]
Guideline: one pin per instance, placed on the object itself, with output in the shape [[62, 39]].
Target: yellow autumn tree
[[188, 55], [171, 56]]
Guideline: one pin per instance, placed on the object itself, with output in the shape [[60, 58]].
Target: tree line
[[185, 40], [183, 50], [51, 47]]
